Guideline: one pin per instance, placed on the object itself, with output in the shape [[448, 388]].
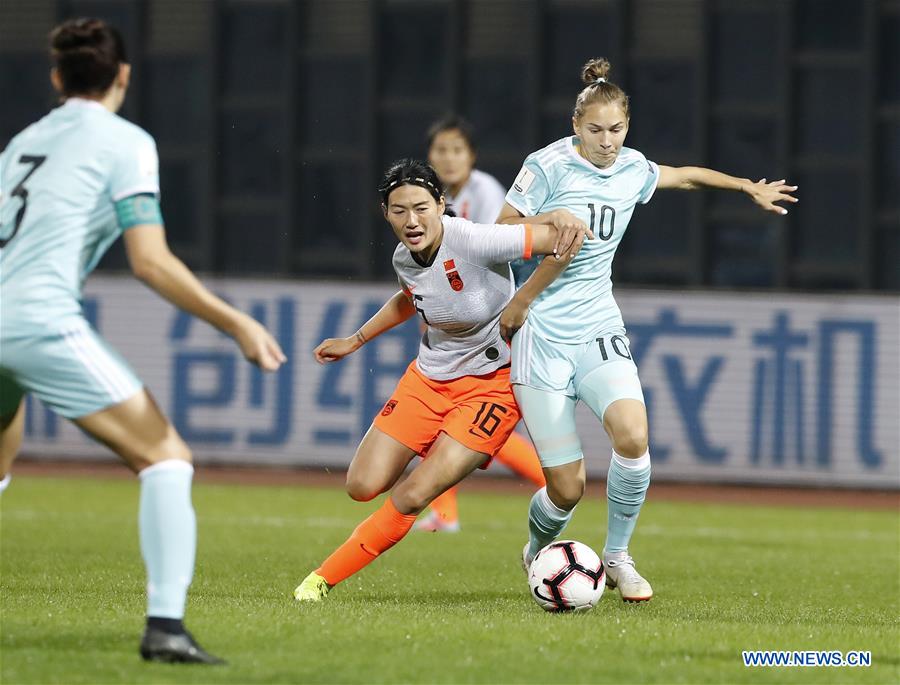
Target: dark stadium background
[[767, 345], [274, 119]]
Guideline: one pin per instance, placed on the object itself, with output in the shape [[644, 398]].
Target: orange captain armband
[[529, 239]]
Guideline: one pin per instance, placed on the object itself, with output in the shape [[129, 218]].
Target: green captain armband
[[138, 209]]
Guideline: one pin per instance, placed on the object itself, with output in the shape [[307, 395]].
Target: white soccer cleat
[[621, 574], [526, 559], [435, 523]]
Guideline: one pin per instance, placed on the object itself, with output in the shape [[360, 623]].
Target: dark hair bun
[[87, 53]]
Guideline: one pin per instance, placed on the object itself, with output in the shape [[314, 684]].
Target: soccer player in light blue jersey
[[70, 185], [571, 343]]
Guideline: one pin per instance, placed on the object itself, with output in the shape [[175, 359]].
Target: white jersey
[[461, 294], [480, 200]]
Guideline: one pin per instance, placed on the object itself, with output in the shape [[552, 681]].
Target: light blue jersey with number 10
[[59, 181], [579, 305]]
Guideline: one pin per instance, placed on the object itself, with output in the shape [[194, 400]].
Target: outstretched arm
[[153, 263], [694, 177], [394, 312]]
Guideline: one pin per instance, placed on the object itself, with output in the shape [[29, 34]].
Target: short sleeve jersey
[[461, 294], [579, 305], [480, 200], [59, 181]]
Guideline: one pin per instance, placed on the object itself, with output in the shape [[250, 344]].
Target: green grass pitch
[[442, 608]]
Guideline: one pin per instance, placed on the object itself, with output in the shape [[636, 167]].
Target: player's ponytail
[[87, 54], [598, 88]]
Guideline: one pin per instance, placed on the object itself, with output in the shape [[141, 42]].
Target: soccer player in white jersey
[[477, 196], [573, 345], [454, 404], [469, 193], [70, 185]]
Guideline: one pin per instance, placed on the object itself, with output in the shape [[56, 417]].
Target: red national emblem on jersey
[[388, 408], [456, 282]]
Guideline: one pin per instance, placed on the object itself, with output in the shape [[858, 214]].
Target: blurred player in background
[[454, 404], [469, 193], [71, 184], [477, 196], [573, 346]]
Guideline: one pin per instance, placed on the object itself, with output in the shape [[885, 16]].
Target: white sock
[[545, 521], [168, 531]]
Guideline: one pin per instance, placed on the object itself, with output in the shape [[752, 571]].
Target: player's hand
[[569, 242], [767, 194], [512, 318], [568, 227], [333, 349], [258, 345]]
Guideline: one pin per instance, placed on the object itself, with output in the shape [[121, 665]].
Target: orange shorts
[[478, 411]]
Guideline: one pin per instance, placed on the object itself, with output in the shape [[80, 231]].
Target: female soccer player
[[468, 192], [477, 196], [454, 404], [573, 345], [71, 184]]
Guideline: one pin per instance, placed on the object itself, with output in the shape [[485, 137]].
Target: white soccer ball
[[566, 576]]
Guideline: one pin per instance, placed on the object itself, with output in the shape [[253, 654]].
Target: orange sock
[[377, 534], [445, 506], [519, 455]]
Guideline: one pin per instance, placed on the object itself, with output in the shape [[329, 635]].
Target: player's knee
[[566, 493], [361, 491], [172, 447], [632, 442], [411, 500]]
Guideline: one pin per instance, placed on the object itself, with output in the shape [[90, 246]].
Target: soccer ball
[[566, 576]]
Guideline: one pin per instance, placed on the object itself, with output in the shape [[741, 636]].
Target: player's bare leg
[[517, 453], [379, 462], [625, 421], [443, 516], [12, 427], [447, 463], [139, 433]]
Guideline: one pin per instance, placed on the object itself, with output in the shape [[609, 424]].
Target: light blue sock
[[168, 530], [545, 522], [626, 487]]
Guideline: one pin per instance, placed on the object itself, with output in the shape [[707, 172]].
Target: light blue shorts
[[549, 378], [72, 370]]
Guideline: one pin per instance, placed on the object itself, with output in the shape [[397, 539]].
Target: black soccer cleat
[[181, 648]]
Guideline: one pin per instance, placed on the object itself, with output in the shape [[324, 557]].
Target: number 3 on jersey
[[22, 193], [607, 214]]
